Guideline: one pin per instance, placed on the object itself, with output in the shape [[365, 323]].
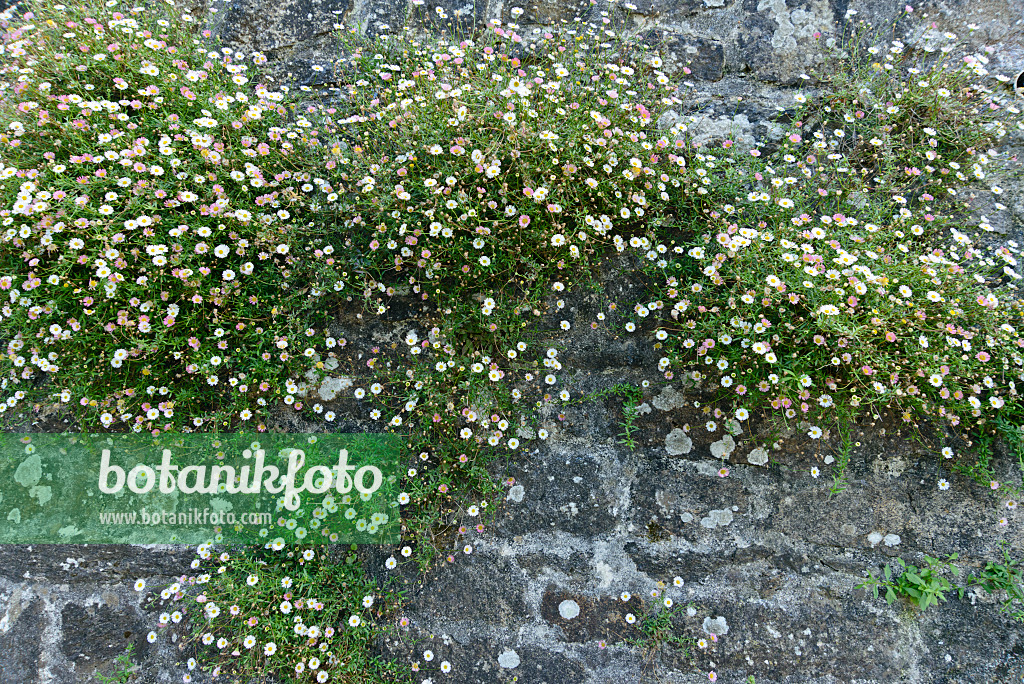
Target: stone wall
[[772, 41], [769, 561]]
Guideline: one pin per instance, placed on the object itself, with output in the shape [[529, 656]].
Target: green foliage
[[632, 397], [1007, 576], [1013, 436], [983, 445], [630, 412], [295, 611], [124, 669], [657, 629], [926, 587], [843, 456], [923, 587], [162, 274], [480, 181], [835, 273], [177, 242], [935, 107]]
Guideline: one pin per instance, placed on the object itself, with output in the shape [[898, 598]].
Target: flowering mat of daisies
[[185, 247]]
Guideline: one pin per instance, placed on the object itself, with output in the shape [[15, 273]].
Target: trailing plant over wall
[[177, 242]]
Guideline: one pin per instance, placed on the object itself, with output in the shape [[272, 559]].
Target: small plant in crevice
[[839, 478], [658, 625], [924, 586], [927, 585], [124, 669], [632, 397], [1006, 576], [630, 413], [296, 611]]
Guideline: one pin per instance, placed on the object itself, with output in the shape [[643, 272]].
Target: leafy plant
[[657, 629], [835, 272], [843, 456], [152, 239], [1006, 576], [124, 669], [1013, 436], [632, 397], [630, 412], [923, 587], [294, 610]]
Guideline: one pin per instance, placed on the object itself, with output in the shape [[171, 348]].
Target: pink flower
[[724, 472], [712, 676]]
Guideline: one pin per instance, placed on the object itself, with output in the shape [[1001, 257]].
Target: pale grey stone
[[716, 518], [757, 456], [568, 609], [678, 443], [669, 399], [331, 387], [509, 660], [717, 626], [723, 448]]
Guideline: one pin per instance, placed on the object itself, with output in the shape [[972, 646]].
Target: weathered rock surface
[[764, 552], [771, 40], [765, 555]]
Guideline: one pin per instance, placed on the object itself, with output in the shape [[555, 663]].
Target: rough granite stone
[[770, 561]]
